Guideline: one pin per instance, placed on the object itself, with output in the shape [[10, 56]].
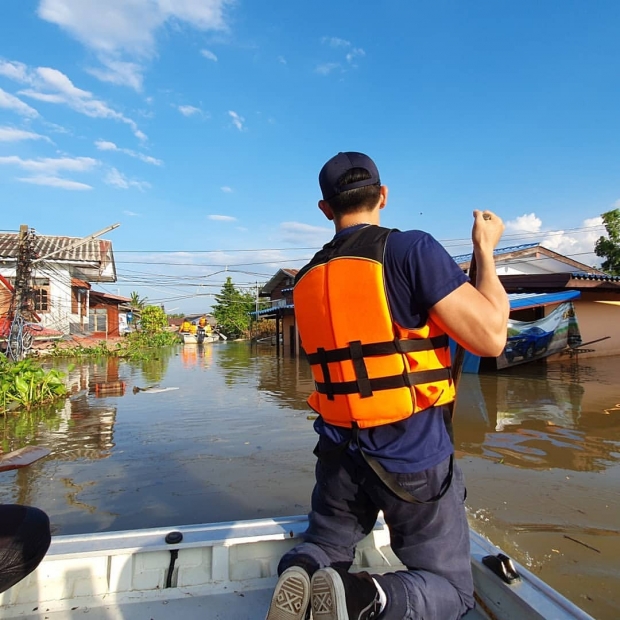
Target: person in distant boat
[[25, 537], [374, 309], [202, 322], [186, 326], [193, 328]]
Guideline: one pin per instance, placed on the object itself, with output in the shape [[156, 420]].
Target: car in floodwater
[[531, 342]]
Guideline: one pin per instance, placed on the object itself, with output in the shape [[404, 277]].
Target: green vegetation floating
[[134, 347], [26, 384]]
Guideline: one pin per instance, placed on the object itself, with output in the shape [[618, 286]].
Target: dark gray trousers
[[431, 540]]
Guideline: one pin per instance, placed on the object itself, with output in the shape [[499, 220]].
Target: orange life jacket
[[367, 369]]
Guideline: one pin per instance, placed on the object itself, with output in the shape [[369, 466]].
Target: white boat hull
[[193, 339], [225, 571]]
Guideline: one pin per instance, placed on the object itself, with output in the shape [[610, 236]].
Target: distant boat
[[228, 571], [198, 338]]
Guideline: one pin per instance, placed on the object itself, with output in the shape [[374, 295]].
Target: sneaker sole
[[329, 601], [291, 596]]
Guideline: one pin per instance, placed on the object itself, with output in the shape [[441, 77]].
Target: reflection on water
[[540, 447], [537, 421]]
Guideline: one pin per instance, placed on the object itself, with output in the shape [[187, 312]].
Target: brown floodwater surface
[[539, 445]]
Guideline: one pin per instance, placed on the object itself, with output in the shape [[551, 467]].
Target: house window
[[98, 320], [41, 294]]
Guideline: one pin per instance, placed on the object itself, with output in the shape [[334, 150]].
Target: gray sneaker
[[340, 595], [291, 596]]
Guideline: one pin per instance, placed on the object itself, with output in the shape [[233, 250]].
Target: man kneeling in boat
[[374, 309]]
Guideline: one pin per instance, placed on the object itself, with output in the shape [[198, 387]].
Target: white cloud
[[131, 214], [327, 67], [282, 60], [356, 52], [120, 181], [524, 223], [52, 86], [222, 218], [11, 134], [577, 243], [237, 120], [16, 71], [11, 102], [104, 145], [342, 44], [119, 72], [189, 110], [209, 55], [50, 164], [119, 29], [305, 234], [335, 42], [52, 181], [226, 189]]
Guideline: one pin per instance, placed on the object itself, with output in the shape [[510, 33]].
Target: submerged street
[[539, 445]]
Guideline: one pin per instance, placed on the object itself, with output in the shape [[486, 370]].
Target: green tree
[[232, 310], [137, 302], [153, 319], [609, 247]]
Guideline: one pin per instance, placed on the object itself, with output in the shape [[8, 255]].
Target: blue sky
[[200, 126]]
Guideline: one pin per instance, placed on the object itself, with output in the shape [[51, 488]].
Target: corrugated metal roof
[[276, 279], [92, 251], [111, 297], [519, 301], [465, 258], [595, 276], [272, 310]]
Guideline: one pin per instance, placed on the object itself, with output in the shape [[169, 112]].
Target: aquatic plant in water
[[26, 384]]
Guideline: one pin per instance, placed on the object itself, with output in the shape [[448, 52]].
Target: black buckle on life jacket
[[359, 366], [323, 362]]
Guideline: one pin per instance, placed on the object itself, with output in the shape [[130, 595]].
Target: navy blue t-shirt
[[418, 273]]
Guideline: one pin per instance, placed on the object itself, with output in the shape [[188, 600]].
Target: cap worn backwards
[[339, 165]]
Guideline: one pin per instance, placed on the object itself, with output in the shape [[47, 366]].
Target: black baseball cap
[[341, 163]]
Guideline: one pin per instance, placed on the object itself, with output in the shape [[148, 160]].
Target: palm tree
[[137, 302]]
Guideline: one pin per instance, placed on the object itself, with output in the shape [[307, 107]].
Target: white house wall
[[532, 265], [59, 313], [59, 316]]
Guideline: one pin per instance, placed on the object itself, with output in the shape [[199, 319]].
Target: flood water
[[539, 445]]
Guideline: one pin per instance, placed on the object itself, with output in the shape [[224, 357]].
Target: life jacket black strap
[[361, 372], [390, 481], [325, 368], [388, 347], [383, 383]]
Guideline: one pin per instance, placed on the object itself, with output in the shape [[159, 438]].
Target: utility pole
[[23, 273], [21, 308]]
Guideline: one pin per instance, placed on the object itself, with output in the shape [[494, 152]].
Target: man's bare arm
[[477, 317]]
